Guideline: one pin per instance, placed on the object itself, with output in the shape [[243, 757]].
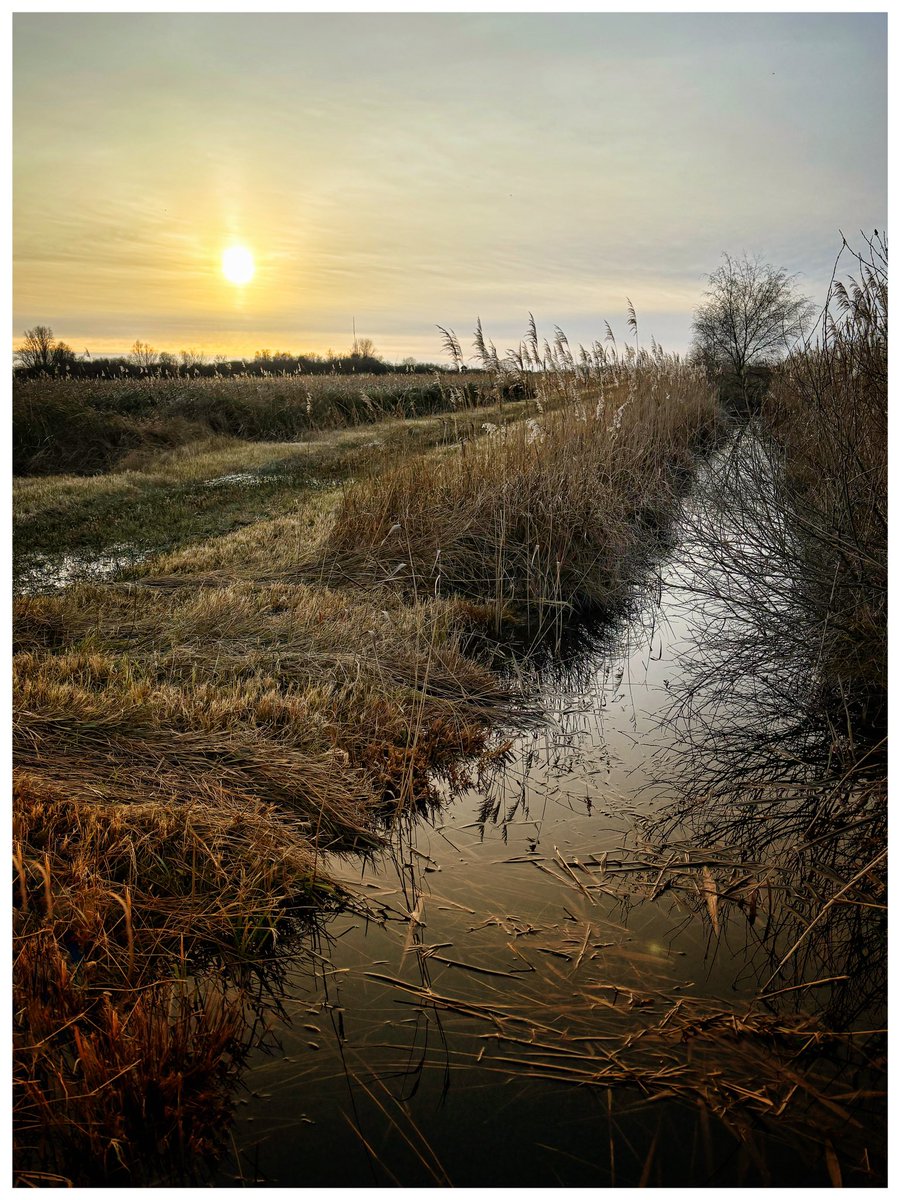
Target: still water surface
[[469, 1030]]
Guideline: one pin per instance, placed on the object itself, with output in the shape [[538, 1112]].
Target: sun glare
[[237, 264]]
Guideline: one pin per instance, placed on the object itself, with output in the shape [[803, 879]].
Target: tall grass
[[828, 414], [542, 517], [784, 717], [800, 558], [188, 745]]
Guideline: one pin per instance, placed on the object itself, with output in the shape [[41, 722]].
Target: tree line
[[43, 354]]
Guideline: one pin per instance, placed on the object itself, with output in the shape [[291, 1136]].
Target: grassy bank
[[183, 757], [67, 527], [775, 854], [540, 519], [828, 413], [802, 559], [784, 717]]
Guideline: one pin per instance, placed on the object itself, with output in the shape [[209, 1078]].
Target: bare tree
[[36, 352], [190, 359], [752, 315], [143, 356]]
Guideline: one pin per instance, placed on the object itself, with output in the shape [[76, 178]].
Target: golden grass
[[125, 1045], [183, 756]]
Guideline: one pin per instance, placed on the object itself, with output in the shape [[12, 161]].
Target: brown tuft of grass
[[128, 1026]]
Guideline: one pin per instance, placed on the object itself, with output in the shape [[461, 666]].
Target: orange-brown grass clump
[[540, 517], [128, 1029], [184, 755]]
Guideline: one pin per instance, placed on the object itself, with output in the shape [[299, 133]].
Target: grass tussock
[[183, 758], [274, 690], [128, 1028]]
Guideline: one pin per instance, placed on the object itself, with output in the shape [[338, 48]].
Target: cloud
[[429, 168]]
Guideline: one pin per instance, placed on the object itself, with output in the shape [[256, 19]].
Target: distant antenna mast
[[354, 335]]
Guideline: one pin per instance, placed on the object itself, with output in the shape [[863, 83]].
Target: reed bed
[[188, 745], [67, 527], [784, 720], [540, 518], [828, 415]]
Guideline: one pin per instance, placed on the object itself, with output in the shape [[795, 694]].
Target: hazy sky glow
[[411, 170]]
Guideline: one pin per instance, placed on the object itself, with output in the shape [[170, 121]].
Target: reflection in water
[[40, 573], [769, 771], [647, 947]]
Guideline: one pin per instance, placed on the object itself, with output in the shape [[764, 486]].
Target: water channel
[[527, 994]]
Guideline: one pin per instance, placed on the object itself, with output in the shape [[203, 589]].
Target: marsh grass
[[796, 776], [129, 923], [542, 518], [184, 757], [828, 414], [160, 500], [777, 848]]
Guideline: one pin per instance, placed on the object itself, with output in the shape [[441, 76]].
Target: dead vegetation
[[184, 755], [541, 518], [132, 923]]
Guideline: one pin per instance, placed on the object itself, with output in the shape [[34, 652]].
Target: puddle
[[55, 572], [235, 479]]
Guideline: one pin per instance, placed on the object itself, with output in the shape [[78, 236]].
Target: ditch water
[[545, 990]]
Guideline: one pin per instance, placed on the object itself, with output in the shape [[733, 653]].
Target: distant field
[[71, 527], [82, 426]]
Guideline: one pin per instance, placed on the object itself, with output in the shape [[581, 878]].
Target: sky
[[404, 171]]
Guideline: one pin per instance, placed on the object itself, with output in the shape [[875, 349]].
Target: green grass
[[208, 488], [86, 426]]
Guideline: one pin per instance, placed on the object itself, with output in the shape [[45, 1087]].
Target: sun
[[237, 265]]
